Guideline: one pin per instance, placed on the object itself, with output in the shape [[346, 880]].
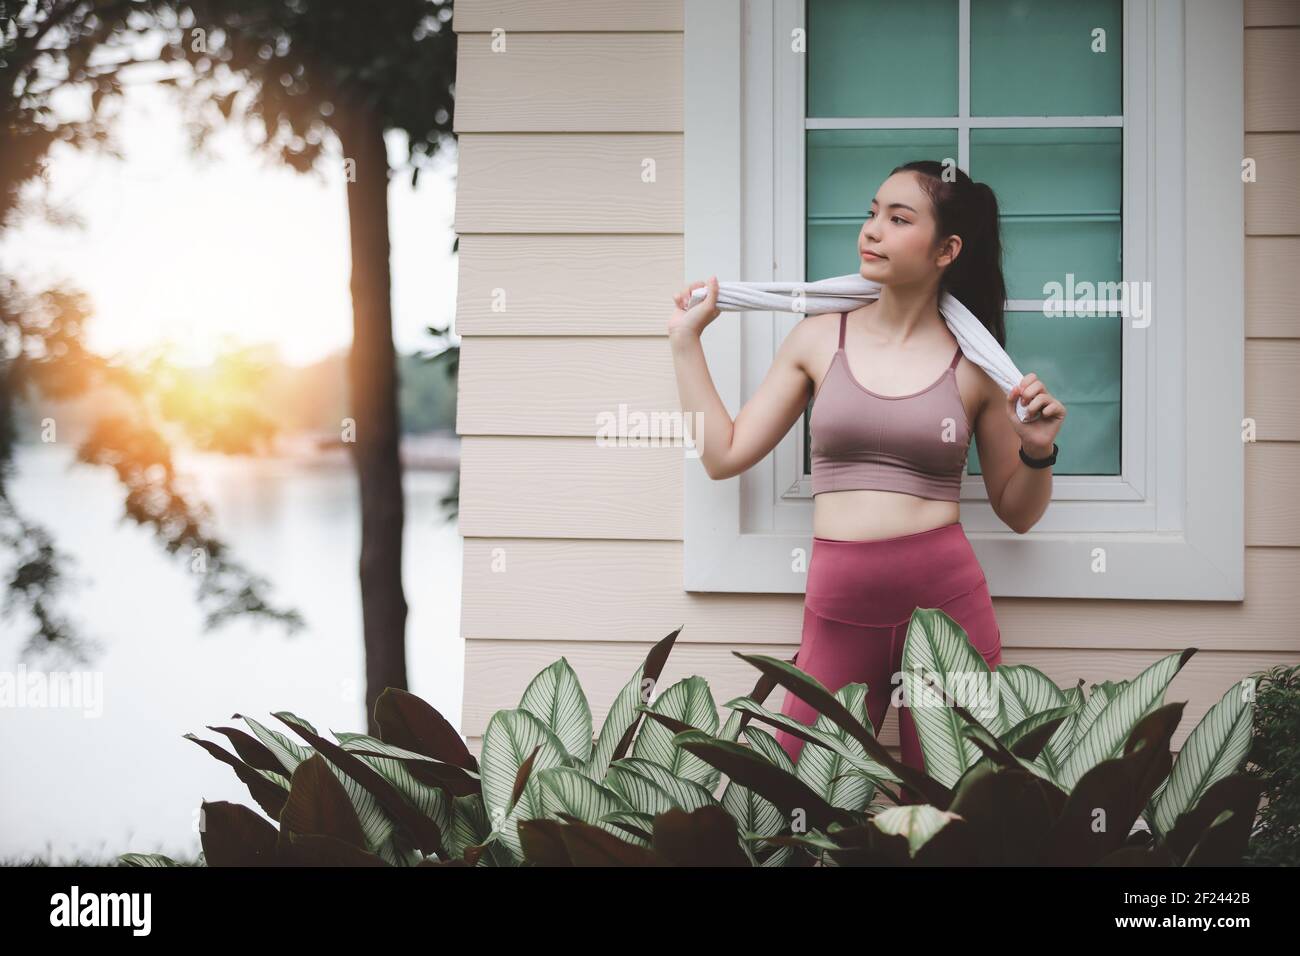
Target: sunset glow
[[202, 256]]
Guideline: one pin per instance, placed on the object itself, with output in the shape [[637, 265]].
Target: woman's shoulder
[[813, 339]]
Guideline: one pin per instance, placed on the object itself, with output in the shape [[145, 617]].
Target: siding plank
[[567, 386], [1272, 13], [568, 285], [570, 182], [1272, 286], [569, 488], [566, 15], [569, 82], [1273, 200], [1272, 506], [1272, 78], [1273, 388]]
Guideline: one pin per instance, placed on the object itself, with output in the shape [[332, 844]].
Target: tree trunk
[[375, 445]]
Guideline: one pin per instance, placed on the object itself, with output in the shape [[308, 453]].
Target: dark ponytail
[[968, 209]]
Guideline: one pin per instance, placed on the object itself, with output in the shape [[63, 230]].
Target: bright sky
[[234, 250]]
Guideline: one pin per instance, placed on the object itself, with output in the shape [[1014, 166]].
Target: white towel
[[841, 293]]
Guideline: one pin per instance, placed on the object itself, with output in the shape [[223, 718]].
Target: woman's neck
[[905, 314]]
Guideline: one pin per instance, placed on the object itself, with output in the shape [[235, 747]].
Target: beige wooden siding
[[568, 256]]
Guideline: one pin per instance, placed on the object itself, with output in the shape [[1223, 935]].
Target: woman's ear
[[948, 251]]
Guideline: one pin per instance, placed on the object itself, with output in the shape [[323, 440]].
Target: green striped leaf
[[470, 828], [1099, 695], [568, 790], [754, 814], [916, 822], [510, 739], [276, 778], [447, 779], [145, 859], [1058, 748], [1036, 722], [744, 766], [936, 647], [690, 701], [433, 802], [286, 751], [1215, 748], [686, 794], [835, 777], [731, 729], [555, 698], [639, 791], [625, 713], [1026, 690], [1108, 731], [364, 742], [636, 827], [855, 755], [1149, 811], [376, 824], [813, 692], [398, 850]]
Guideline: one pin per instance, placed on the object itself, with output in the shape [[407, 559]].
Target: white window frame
[[1171, 526]]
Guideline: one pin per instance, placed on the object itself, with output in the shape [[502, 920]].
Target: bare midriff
[[869, 515]]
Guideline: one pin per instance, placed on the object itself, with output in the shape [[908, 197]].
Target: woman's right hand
[[695, 318]]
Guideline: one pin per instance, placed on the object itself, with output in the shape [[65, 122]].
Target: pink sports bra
[[916, 443]]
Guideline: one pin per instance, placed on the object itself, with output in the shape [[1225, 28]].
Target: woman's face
[[900, 226]]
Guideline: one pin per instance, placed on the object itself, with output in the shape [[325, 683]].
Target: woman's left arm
[[1018, 493]]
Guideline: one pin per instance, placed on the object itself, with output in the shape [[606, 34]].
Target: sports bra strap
[[956, 358]]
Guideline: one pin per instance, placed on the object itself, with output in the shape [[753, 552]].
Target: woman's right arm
[[728, 448]]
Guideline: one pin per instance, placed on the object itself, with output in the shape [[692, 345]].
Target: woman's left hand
[[1038, 434]]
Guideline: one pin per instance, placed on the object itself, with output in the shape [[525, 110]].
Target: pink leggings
[[858, 601]]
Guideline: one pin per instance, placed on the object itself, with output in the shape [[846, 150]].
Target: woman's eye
[[892, 218]]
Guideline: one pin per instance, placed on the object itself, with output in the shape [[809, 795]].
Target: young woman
[[889, 439]]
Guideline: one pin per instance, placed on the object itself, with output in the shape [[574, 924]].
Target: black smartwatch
[[1039, 462]]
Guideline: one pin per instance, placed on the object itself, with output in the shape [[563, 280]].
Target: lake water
[[126, 780]]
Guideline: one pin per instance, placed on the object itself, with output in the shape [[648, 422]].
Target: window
[[1099, 149], [1030, 100]]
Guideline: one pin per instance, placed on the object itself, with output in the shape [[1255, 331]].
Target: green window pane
[[844, 168], [1078, 359], [1060, 196], [1045, 58], [881, 58]]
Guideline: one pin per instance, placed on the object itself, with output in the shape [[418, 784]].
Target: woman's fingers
[[683, 298], [1040, 403]]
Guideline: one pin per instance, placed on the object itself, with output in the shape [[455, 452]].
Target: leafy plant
[[1275, 755], [1017, 771]]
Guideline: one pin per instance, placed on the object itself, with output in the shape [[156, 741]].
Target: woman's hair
[[970, 210]]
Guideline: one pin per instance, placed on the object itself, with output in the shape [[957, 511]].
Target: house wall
[[573, 550]]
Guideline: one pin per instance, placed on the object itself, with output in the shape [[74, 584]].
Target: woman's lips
[[868, 254]]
